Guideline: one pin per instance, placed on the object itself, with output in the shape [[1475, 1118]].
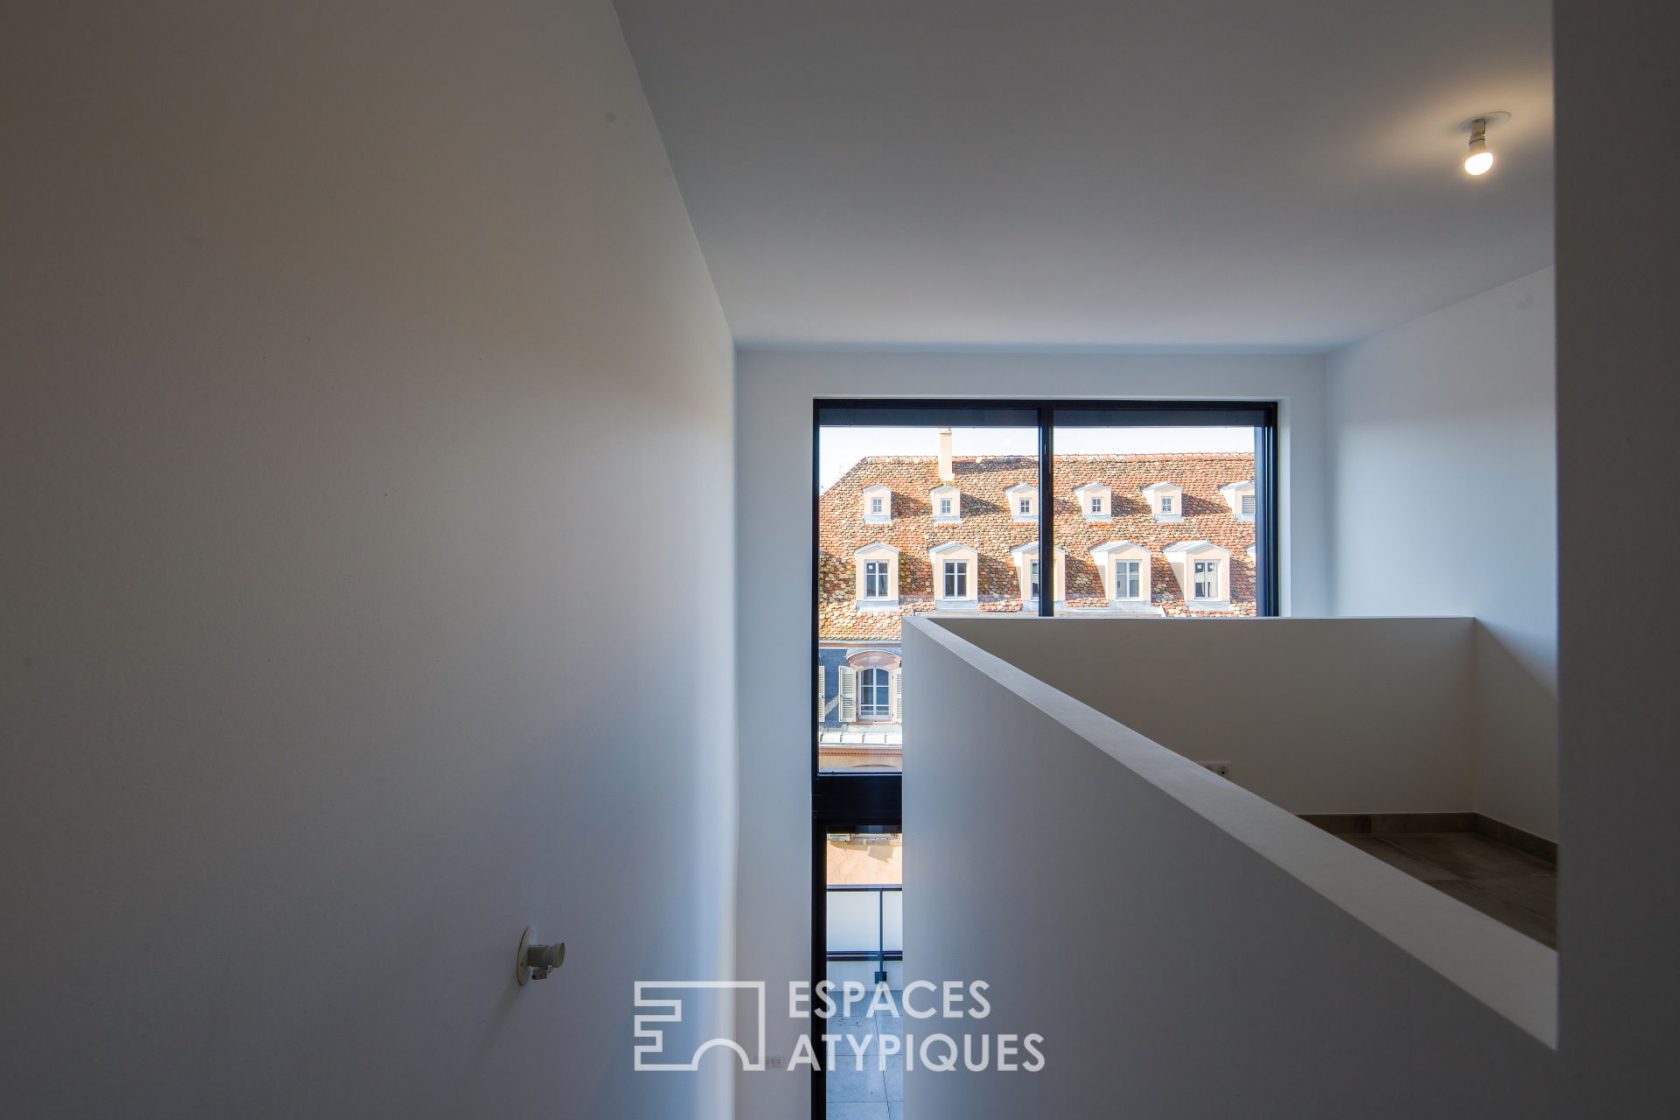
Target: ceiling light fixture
[[1480, 159]]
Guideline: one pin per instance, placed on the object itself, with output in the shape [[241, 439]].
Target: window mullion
[[1047, 505]]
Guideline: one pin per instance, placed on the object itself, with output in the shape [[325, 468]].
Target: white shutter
[[822, 697], [898, 695], [848, 694]]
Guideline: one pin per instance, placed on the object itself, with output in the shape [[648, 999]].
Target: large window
[[932, 506], [941, 538], [1148, 509]]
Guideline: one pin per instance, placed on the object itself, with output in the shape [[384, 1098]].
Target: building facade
[[1146, 535]]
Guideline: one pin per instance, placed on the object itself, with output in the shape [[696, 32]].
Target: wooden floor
[[1502, 882]]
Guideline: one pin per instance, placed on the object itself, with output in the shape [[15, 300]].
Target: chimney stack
[[945, 474]]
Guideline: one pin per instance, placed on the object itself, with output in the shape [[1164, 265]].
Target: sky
[[841, 448]]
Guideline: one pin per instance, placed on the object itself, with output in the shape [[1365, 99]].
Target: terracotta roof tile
[[987, 527]]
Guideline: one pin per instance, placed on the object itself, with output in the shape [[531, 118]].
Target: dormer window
[[1203, 571], [1128, 579], [1240, 497], [877, 577], [1029, 573], [956, 576], [1095, 501], [1022, 501], [1166, 500], [946, 502], [956, 579], [1205, 584], [1124, 568], [877, 504]]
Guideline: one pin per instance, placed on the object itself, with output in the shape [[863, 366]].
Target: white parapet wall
[[1185, 948], [1317, 715]]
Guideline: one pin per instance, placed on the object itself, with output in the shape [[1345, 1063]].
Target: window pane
[[859, 727], [865, 903], [1126, 579], [1197, 543]]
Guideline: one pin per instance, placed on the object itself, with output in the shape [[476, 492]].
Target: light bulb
[[1479, 159]]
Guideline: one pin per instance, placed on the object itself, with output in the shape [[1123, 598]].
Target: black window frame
[[843, 802]]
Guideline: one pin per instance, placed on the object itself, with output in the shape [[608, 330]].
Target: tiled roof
[[987, 527]]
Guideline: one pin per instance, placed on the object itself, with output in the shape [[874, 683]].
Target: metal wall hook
[[535, 962]]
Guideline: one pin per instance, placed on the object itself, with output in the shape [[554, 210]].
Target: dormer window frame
[[946, 503], [1166, 500], [866, 580], [1196, 565], [955, 568], [1107, 557], [1025, 556], [1239, 496], [1095, 501], [1206, 579], [877, 504], [876, 578], [1015, 496]]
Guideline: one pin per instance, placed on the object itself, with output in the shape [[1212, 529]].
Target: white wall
[[1443, 473], [774, 391], [340, 342], [1618, 334], [1186, 949], [1315, 715]]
